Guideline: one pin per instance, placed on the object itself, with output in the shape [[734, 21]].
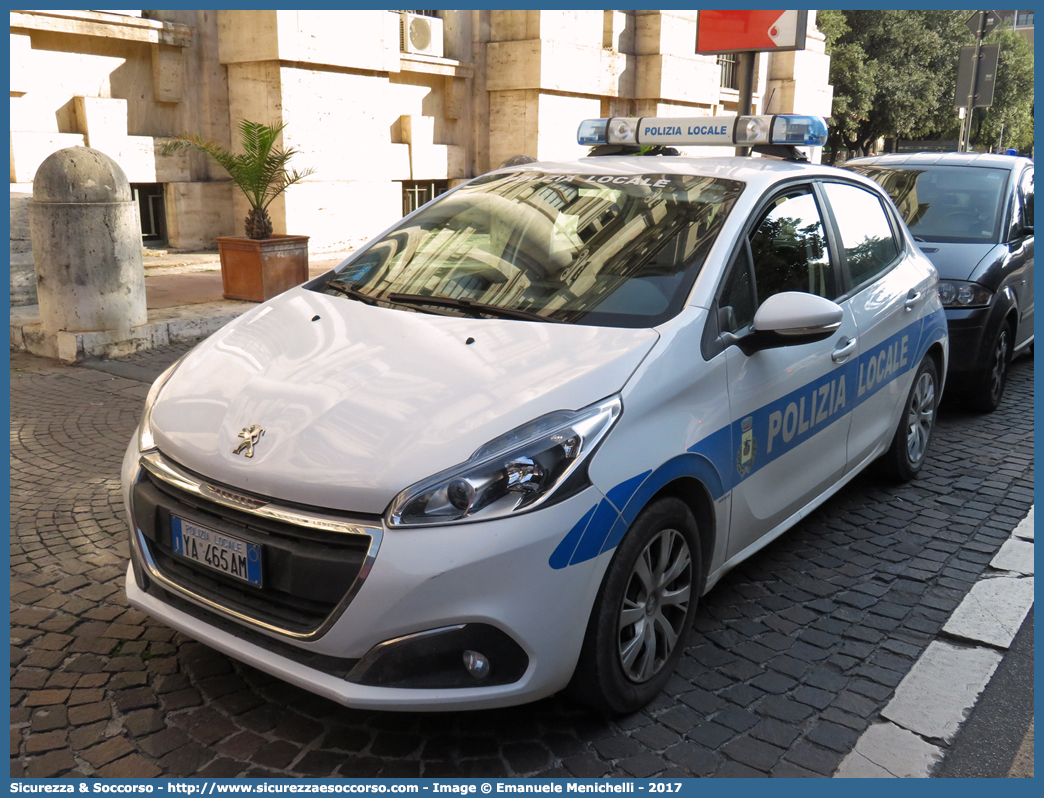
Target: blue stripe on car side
[[714, 459], [590, 545], [717, 448], [684, 465], [564, 551], [622, 492], [934, 331]]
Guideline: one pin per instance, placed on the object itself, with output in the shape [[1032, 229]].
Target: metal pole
[[745, 66], [974, 79]]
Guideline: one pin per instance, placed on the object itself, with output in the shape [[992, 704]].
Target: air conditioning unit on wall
[[419, 34]]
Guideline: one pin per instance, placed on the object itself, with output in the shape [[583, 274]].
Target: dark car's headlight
[[959, 294], [515, 472]]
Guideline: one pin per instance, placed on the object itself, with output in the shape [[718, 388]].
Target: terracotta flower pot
[[259, 270]]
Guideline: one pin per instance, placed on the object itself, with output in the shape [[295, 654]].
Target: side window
[[789, 248], [1026, 198], [865, 232], [736, 303]]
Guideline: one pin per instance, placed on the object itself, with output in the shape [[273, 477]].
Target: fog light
[[477, 664]]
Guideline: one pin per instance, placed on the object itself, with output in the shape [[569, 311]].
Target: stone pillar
[[86, 244]]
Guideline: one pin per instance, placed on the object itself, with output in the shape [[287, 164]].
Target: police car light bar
[[728, 131]]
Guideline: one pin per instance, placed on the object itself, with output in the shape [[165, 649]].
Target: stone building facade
[[386, 119]]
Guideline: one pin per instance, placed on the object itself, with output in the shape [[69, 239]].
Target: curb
[[939, 692], [165, 327]]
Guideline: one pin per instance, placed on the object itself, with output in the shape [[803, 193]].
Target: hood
[[956, 261], [358, 402]]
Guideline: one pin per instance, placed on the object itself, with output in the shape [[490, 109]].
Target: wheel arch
[[698, 499], [693, 479], [1012, 318], [938, 356]]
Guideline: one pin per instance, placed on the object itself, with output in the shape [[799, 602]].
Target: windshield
[[944, 203], [620, 251]]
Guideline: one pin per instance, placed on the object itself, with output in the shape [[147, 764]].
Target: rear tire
[[642, 618], [909, 448], [986, 396]]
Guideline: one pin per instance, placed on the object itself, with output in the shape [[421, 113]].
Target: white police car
[[505, 447]]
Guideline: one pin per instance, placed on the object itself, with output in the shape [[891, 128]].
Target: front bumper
[[970, 332], [482, 575]]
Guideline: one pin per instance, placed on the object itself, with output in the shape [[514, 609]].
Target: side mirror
[[792, 318]]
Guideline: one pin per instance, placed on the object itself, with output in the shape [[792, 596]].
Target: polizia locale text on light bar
[[727, 131]]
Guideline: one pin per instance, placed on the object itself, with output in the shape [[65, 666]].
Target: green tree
[[1012, 97], [893, 72], [260, 171]]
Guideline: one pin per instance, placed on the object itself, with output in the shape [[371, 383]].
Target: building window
[[149, 197], [1024, 19], [416, 192], [729, 71]]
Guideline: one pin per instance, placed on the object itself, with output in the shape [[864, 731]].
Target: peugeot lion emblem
[[250, 435]]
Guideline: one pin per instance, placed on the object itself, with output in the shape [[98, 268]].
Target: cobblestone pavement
[[796, 651]]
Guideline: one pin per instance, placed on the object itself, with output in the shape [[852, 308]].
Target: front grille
[[306, 572]]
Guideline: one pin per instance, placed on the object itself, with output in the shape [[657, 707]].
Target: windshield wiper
[[351, 293], [437, 300]]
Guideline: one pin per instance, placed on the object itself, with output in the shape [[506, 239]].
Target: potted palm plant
[[259, 265]]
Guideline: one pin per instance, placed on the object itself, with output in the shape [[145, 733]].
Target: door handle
[[844, 348], [912, 299]]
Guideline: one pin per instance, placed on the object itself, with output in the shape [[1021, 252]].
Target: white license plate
[[216, 550]]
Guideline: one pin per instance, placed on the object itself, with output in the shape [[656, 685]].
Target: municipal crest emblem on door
[[748, 447]]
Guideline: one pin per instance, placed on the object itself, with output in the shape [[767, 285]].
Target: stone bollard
[[86, 244]]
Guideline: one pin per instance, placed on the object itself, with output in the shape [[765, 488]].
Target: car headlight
[[959, 294], [145, 439], [518, 471]]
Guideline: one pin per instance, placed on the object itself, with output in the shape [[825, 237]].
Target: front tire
[[909, 448], [986, 396], [642, 617]]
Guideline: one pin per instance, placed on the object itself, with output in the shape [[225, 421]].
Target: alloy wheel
[[655, 605], [920, 418], [999, 365]]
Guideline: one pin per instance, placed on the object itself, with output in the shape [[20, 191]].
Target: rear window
[[605, 250], [944, 203]]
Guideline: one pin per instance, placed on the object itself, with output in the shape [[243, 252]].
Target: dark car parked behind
[[972, 215]]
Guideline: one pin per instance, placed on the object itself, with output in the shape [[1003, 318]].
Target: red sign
[[719, 32]]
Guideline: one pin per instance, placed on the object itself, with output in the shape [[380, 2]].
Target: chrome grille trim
[[163, 469], [167, 471]]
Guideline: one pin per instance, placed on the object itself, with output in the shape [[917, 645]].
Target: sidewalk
[[183, 295], [194, 278], [925, 722]]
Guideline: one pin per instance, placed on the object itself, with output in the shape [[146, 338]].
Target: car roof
[[759, 173], [987, 159]]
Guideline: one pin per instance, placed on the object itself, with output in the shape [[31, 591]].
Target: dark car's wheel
[[643, 614], [987, 394], [909, 448]]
